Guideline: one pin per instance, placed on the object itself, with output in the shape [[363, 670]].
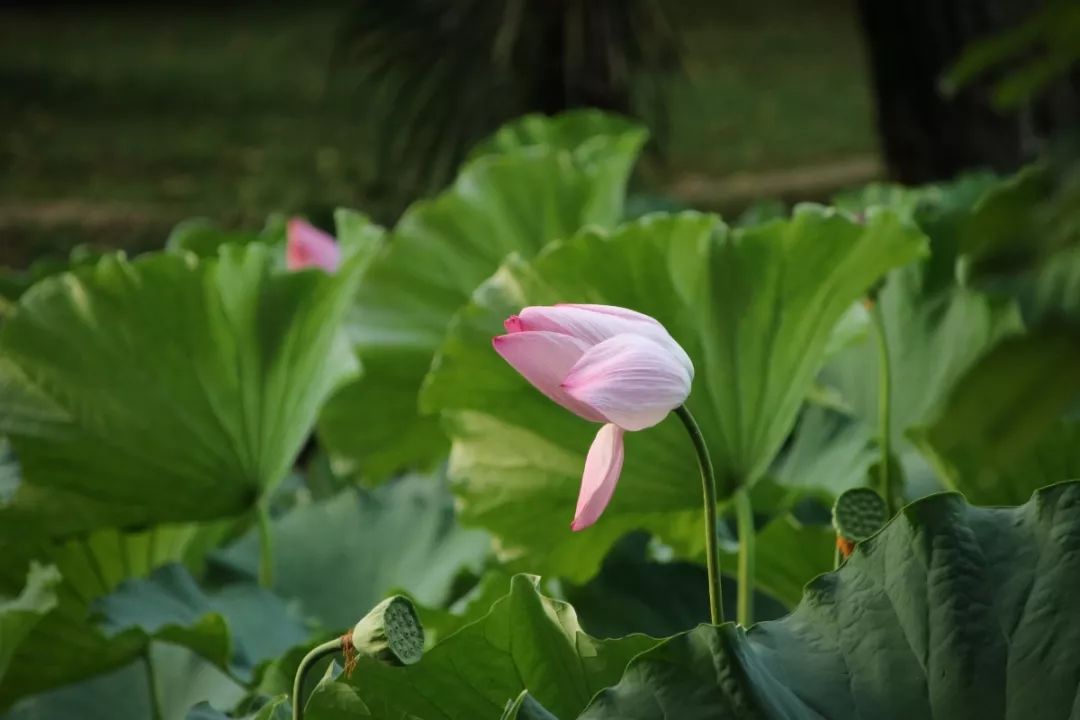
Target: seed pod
[[858, 514], [391, 632]]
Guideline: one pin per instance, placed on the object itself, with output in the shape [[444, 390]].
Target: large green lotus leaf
[[936, 331], [789, 555], [13, 283], [440, 622], [1000, 435], [525, 707], [753, 307], [181, 679], [1024, 219], [335, 700], [1051, 293], [635, 593], [19, 614], [933, 339], [341, 556], [90, 567], [952, 611], [168, 387], [515, 201], [116, 695], [236, 627], [943, 211], [10, 475], [276, 708], [829, 453], [205, 238], [526, 641], [569, 131]]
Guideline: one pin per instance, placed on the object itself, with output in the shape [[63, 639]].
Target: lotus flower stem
[[317, 653], [708, 488], [884, 410], [152, 686], [744, 519], [266, 545]]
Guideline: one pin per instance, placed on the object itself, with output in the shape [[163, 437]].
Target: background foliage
[[163, 527]]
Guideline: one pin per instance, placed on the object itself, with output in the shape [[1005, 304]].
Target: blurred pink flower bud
[[307, 246]]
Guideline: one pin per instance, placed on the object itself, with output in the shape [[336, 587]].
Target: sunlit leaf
[[168, 388], [341, 556], [526, 641], [514, 201], [754, 308]]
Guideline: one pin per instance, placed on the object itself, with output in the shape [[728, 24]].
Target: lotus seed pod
[[858, 514], [391, 632]]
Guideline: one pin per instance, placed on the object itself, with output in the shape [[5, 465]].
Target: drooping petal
[[544, 359], [596, 323], [602, 468], [308, 246], [630, 380]]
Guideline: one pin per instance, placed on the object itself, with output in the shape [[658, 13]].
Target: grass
[[117, 122]]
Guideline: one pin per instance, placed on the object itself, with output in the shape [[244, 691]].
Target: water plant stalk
[[315, 655], [884, 410], [266, 545], [744, 521], [708, 491], [152, 686]]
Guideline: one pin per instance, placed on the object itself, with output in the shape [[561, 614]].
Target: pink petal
[[595, 324], [544, 359], [602, 468], [307, 246], [513, 324], [629, 380], [613, 310]]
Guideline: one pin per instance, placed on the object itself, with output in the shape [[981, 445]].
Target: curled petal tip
[[513, 324], [577, 526]]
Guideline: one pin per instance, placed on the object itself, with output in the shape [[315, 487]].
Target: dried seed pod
[[391, 632]]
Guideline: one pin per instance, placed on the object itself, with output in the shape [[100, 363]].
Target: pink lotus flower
[[608, 365], [308, 246]]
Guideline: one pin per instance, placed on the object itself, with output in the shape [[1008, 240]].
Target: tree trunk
[[926, 135]]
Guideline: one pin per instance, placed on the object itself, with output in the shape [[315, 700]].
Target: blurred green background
[[118, 121]]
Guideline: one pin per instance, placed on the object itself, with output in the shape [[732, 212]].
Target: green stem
[[317, 653], [151, 684], [884, 411], [266, 546], [708, 491], [744, 519]]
